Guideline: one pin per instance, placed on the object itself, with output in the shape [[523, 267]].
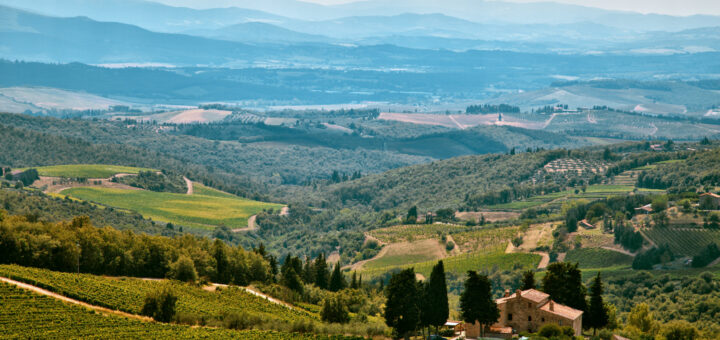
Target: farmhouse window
[[529, 318], [509, 316]]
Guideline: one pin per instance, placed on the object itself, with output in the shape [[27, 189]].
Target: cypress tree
[[337, 281], [597, 314], [321, 272], [353, 282], [528, 280], [308, 271], [401, 309], [437, 297], [476, 302]]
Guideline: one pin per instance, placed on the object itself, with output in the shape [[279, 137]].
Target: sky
[[671, 7]]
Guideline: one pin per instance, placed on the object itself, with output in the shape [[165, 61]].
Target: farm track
[[617, 250], [189, 185], [545, 261], [212, 287], [63, 298], [251, 225]]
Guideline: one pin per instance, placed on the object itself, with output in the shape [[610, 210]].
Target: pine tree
[[308, 271], [337, 280], [563, 281], [401, 309], [597, 314], [476, 302], [528, 280], [437, 297]]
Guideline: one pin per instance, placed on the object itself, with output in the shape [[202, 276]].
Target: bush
[[160, 305], [334, 310], [550, 330], [679, 330], [183, 270], [450, 246]]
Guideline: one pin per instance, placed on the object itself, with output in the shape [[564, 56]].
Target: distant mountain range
[[537, 27]]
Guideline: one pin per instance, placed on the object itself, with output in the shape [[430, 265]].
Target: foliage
[[401, 309], [476, 302], [160, 305], [685, 242], [655, 255], [706, 256], [550, 330], [436, 297], [159, 182], [597, 258], [337, 280], [597, 316], [528, 280], [563, 282], [334, 310], [78, 246], [183, 269], [679, 330]]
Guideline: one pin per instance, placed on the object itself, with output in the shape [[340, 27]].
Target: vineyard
[[460, 264], [128, 294], [683, 241], [86, 170], [555, 200], [598, 258], [414, 232], [25, 315], [485, 240]]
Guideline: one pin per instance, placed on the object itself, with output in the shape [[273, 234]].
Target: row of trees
[[413, 305]]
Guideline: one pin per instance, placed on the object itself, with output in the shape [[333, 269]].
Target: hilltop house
[[586, 224], [709, 201], [528, 310]]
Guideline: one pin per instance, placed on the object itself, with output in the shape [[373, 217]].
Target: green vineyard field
[[26, 315], [598, 258], [683, 241], [128, 294]]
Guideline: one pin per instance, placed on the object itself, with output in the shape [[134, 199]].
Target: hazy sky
[[674, 7]]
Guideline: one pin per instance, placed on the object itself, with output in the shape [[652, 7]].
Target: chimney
[[507, 293], [518, 293], [552, 305]]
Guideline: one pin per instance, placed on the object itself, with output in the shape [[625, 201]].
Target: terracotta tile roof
[[562, 310], [530, 294]]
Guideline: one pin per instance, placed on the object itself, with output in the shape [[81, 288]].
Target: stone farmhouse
[[527, 311]]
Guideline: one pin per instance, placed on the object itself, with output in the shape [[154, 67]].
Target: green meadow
[[86, 170], [205, 209]]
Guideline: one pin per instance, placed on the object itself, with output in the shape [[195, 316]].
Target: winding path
[[189, 185], [46, 292]]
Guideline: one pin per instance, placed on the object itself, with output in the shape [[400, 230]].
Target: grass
[[598, 258], [593, 192], [86, 170], [197, 210], [399, 254]]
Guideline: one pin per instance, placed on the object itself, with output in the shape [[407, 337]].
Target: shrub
[[550, 330], [160, 305], [183, 270], [334, 310], [450, 246]]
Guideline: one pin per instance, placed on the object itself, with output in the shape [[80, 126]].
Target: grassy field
[[593, 192], [598, 258], [86, 170], [200, 210], [460, 264], [404, 253], [401, 233], [128, 294], [685, 242]]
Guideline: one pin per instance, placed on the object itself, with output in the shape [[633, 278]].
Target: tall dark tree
[[563, 281], [597, 316], [308, 272], [353, 282], [423, 288], [334, 310], [321, 272], [476, 302], [437, 297], [412, 215], [528, 280], [401, 309], [337, 280]]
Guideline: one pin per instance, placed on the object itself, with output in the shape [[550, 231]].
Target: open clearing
[[490, 216], [197, 210], [183, 117], [403, 253], [85, 170], [460, 121]]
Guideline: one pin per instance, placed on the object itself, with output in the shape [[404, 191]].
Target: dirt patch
[[54, 185], [334, 257], [537, 235], [189, 185], [403, 253], [251, 225], [490, 216]]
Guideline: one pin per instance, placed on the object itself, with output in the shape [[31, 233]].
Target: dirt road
[[45, 292], [189, 185]]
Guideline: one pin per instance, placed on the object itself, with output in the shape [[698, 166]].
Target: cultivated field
[[683, 241], [486, 240], [401, 233], [86, 170], [490, 216], [403, 253], [198, 210], [598, 258], [128, 294]]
